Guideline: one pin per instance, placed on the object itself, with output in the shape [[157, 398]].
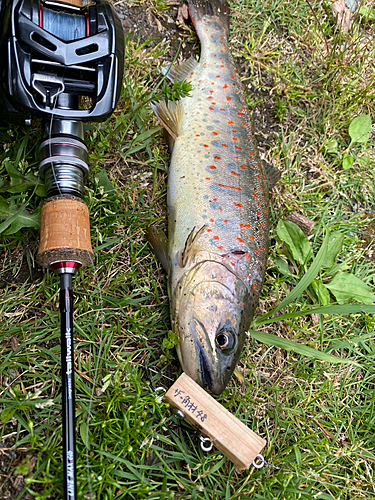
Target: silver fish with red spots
[[218, 199]]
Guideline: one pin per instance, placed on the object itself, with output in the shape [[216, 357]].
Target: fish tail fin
[[213, 8]]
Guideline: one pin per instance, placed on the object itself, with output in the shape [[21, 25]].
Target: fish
[[218, 206]]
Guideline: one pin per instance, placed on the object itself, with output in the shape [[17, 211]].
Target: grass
[[305, 83]]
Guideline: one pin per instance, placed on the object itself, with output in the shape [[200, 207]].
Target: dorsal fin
[[272, 174], [183, 71]]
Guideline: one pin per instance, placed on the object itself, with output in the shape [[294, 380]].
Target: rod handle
[[64, 232]]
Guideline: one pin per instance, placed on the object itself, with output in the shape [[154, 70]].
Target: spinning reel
[[62, 62]]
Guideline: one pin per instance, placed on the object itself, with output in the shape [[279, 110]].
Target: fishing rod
[[62, 62]]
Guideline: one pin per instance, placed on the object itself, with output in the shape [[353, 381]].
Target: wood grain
[[229, 435]]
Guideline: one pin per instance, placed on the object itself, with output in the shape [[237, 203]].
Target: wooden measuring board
[[228, 434]]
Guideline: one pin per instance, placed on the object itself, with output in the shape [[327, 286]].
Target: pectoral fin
[[159, 243]]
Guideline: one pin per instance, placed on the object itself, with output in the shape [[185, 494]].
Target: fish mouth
[[206, 374]]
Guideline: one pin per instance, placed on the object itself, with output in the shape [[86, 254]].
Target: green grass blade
[[332, 309], [290, 345], [308, 277]]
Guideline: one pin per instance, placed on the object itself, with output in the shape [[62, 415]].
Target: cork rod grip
[[64, 231]]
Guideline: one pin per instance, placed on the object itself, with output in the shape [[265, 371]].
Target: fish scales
[[216, 164], [218, 197]]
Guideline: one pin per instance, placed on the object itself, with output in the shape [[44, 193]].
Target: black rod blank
[[68, 392]]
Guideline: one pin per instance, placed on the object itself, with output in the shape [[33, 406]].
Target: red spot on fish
[[240, 114], [222, 66], [258, 203], [224, 145], [251, 237], [221, 51], [237, 205], [258, 212], [216, 238], [225, 221], [220, 248], [260, 189], [199, 81], [255, 287], [221, 109], [214, 199], [207, 178], [230, 187], [256, 251], [244, 124], [255, 196], [197, 135], [215, 133], [251, 137], [240, 241], [211, 109], [234, 173], [212, 83], [212, 167], [234, 139], [233, 264], [220, 58], [210, 97], [211, 91], [204, 64], [205, 145], [232, 77], [230, 123], [218, 76], [235, 157], [260, 236], [247, 256], [242, 167], [213, 103], [211, 220], [237, 147], [244, 226], [243, 303], [217, 158], [250, 153], [234, 131], [229, 98], [209, 230]]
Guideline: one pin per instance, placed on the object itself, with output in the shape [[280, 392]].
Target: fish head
[[212, 311]]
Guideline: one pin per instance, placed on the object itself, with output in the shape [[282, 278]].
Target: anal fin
[[182, 71]]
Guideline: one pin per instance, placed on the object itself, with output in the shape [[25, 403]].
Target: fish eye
[[225, 340]]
